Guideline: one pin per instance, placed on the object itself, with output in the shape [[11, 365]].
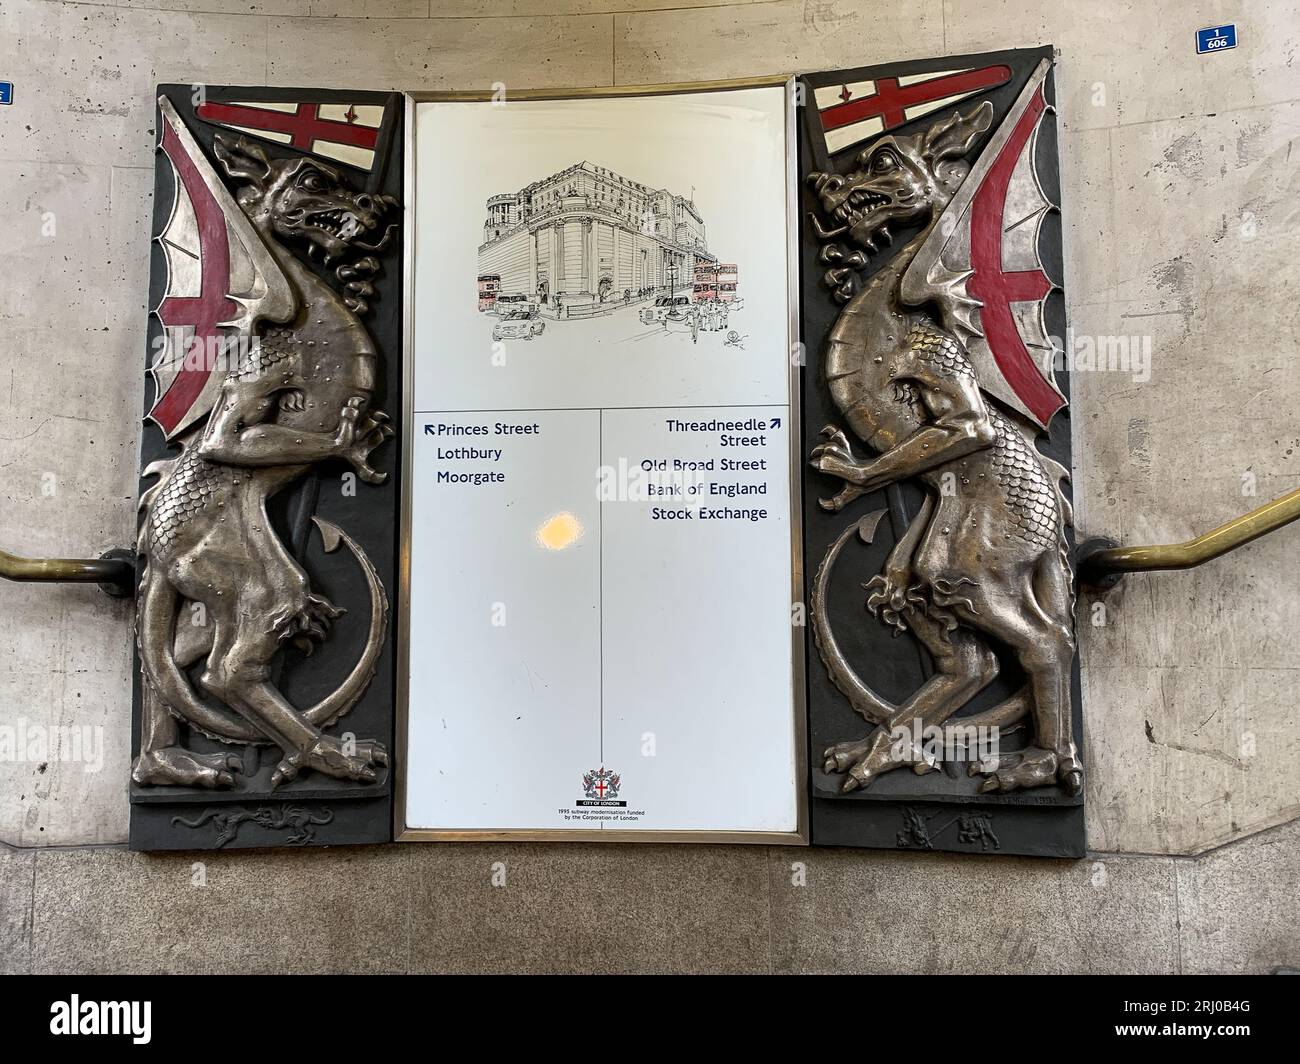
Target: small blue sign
[[1216, 39], [6, 92]]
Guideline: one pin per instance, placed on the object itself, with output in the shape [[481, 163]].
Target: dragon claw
[[841, 499], [1032, 767], [329, 755], [176, 766]]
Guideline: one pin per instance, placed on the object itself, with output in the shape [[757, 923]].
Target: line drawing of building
[[591, 235]]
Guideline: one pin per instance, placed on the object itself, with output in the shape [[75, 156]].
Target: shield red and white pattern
[[346, 132], [855, 111], [221, 279], [987, 242]]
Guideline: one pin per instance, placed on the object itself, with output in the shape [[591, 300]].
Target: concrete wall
[[1181, 178]]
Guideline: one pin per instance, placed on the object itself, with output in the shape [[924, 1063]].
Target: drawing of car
[[505, 305], [654, 314], [518, 325], [675, 308], [679, 309]]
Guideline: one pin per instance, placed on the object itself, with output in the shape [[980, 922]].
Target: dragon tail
[[156, 622], [862, 698], [198, 821]]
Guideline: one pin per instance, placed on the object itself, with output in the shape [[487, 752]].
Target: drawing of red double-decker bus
[[728, 279], [489, 286], [705, 289]]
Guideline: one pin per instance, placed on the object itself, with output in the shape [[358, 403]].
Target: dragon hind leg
[[237, 672], [1044, 645], [964, 666], [163, 761]]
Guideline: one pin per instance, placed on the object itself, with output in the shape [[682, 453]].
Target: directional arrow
[[776, 423], [428, 430]]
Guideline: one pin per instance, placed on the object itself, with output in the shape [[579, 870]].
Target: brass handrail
[[1103, 565], [1100, 564], [113, 571]]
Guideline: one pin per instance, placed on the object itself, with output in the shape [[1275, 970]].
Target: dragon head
[[898, 180], [305, 199]]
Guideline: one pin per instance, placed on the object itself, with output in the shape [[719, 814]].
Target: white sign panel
[[599, 600]]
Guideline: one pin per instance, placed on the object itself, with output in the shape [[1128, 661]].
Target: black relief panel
[[264, 686], [942, 679]]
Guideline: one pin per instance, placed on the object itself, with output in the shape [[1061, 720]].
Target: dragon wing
[[221, 280], [981, 265]]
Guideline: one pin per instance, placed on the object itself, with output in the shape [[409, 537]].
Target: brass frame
[[798, 837]]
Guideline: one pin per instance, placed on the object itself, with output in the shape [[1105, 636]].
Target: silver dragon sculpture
[[918, 365], [220, 593]]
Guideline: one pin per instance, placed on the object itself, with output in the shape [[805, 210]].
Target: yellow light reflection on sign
[[560, 531]]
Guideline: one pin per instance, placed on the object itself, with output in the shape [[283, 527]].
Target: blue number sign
[[1216, 38]]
